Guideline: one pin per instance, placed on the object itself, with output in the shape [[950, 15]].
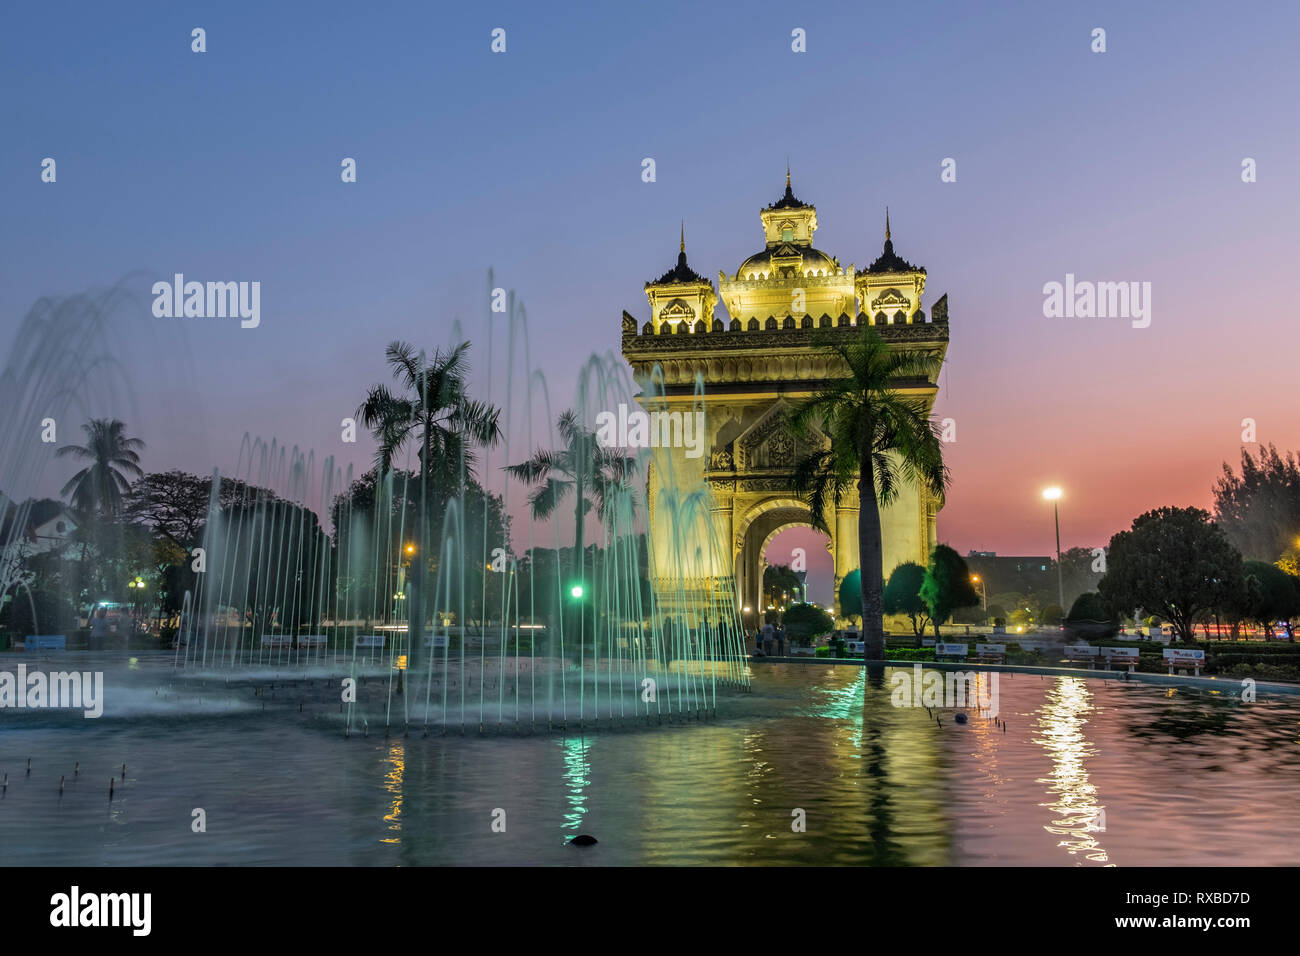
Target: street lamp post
[[984, 594], [1054, 496]]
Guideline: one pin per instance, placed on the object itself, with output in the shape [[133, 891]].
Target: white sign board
[[951, 650]]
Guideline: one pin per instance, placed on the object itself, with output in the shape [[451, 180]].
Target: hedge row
[[1225, 661]]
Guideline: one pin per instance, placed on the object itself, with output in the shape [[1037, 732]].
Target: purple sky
[[1123, 165]]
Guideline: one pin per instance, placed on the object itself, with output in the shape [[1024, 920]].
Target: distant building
[[1021, 574], [33, 527], [43, 524]]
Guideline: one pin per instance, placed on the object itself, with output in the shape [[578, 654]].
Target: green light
[[576, 590]]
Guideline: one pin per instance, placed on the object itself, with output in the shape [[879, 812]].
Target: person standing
[[99, 629], [780, 641], [769, 634]]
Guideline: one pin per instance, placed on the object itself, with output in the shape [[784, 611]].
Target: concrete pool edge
[[1204, 683]]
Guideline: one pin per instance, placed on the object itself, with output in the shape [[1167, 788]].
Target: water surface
[[1174, 776]]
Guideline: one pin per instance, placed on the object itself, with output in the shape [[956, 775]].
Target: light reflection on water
[[1077, 813], [393, 784], [577, 769], [878, 784]]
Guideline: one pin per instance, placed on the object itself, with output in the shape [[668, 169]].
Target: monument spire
[[886, 224], [683, 249]]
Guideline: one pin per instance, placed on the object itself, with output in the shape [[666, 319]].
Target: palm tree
[[879, 439], [434, 412], [98, 488], [591, 473]]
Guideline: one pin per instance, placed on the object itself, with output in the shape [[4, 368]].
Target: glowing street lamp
[[984, 596], [1053, 495]]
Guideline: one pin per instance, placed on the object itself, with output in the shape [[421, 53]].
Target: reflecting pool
[[1075, 772]]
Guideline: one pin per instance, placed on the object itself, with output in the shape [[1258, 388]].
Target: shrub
[[1223, 661], [1018, 656], [1090, 618], [55, 614], [803, 622], [1020, 618], [902, 595], [1249, 647], [1263, 672], [911, 654], [947, 585], [851, 594]]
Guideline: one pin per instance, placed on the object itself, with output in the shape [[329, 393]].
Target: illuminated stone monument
[[756, 364]]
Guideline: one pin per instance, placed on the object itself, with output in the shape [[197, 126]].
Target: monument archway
[[766, 520], [740, 379]]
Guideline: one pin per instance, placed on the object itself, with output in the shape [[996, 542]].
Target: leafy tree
[[375, 519], [38, 612], [902, 595], [851, 594], [947, 585], [997, 612], [803, 622], [593, 474], [275, 561], [175, 503], [434, 413], [778, 579], [1020, 618], [99, 487], [1089, 606], [1090, 617], [1052, 615], [1175, 561], [1017, 601], [880, 439], [151, 558], [1259, 510], [1290, 561], [165, 514], [1270, 595], [1077, 575]]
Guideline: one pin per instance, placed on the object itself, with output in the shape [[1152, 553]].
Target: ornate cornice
[[738, 340]]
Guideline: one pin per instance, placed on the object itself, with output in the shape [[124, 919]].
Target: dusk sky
[[1116, 166]]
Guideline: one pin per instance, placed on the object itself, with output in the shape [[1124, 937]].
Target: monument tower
[[746, 369]]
